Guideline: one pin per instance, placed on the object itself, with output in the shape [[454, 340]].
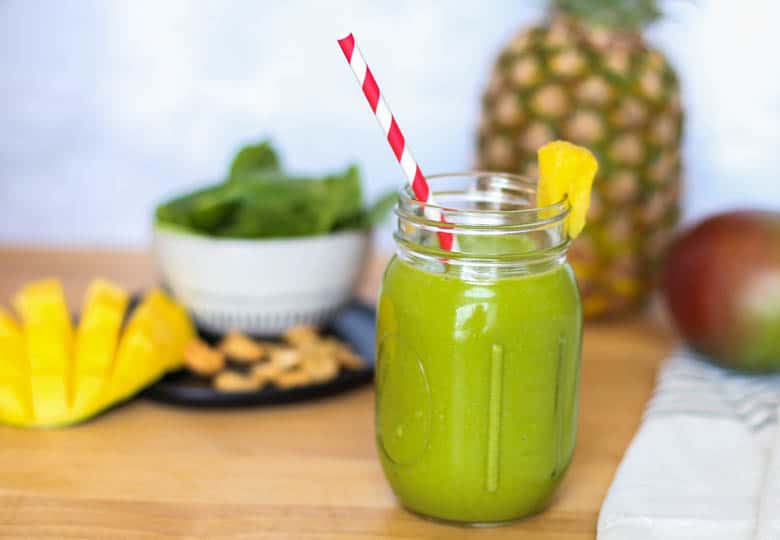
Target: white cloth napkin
[[705, 463]]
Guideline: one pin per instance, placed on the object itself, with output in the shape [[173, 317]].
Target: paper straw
[[394, 135]]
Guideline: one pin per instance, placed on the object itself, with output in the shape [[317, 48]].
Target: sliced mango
[[139, 361], [49, 377], [566, 171], [97, 338], [49, 342], [172, 336], [182, 325], [152, 344], [15, 394]]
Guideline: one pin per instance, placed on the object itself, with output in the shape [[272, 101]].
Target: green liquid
[[476, 390]]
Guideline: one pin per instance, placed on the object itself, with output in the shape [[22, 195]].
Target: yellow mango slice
[[152, 320], [97, 338], [182, 325], [566, 171], [15, 394], [151, 345], [177, 331], [138, 363], [49, 343]]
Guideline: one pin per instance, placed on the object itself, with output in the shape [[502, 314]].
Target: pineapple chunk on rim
[[566, 171]]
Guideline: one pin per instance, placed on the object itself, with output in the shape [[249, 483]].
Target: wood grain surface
[[307, 471]]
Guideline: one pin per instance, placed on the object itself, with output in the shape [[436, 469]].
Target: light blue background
[[107, 106]]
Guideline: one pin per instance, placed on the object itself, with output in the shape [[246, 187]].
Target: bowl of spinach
[[266, 249]]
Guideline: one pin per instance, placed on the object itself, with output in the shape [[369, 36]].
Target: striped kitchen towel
[[705, 463]]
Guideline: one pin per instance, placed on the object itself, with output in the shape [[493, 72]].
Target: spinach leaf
[[201, 210], [260, 200], [253, 158], [344, 197]]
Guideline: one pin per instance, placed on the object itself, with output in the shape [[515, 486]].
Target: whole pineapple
[[587, 76]]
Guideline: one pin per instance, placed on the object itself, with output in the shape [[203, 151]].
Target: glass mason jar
[[478, 352]]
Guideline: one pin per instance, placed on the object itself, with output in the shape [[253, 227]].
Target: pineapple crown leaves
[[622, 14]]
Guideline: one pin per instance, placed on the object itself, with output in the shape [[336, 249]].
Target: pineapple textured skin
[[605, 89]]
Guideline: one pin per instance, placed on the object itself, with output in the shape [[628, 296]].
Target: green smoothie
[[476, 389]]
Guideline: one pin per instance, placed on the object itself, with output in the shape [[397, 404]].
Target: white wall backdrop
[[108, 106]]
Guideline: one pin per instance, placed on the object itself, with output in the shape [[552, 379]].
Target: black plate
[[355, 324]]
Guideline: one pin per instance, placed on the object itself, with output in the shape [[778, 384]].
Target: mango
[[15, 391], [721, 283], [48, 334], [51, 375], [97, 338]]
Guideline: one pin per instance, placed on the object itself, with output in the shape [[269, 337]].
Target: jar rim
[[524, 216], [494, 225]]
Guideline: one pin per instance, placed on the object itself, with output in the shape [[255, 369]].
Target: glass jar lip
[[542, 215]]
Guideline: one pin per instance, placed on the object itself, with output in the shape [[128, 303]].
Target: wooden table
[[301, 472]]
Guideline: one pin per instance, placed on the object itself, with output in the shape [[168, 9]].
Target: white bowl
[[261, 286]]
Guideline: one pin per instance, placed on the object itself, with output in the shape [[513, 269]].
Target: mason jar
[[478, 352]]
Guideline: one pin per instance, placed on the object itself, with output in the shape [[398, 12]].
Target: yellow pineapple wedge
[[566, 171], [51, 378]]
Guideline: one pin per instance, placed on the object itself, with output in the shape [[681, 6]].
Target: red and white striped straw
[[396, 139]]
